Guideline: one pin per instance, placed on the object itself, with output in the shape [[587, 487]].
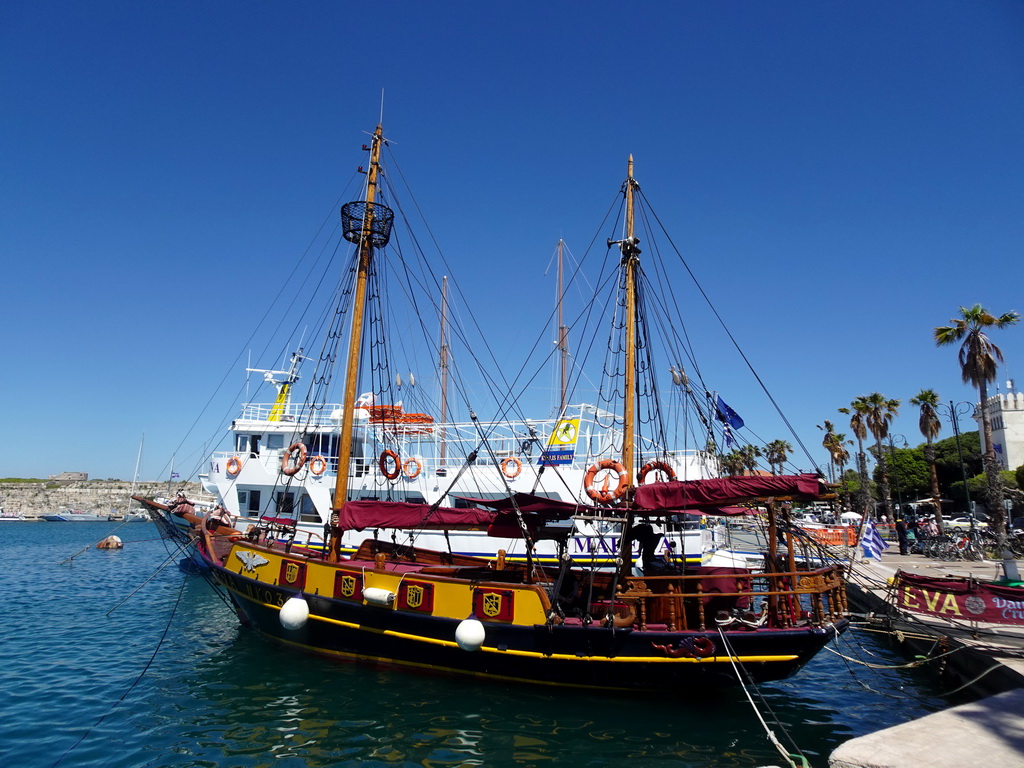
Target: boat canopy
[[720, 492], [357, 515], [528, 503]]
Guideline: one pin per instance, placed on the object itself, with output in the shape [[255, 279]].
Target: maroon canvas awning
[[527, 503], [724, 491], [357, 515], [712, 511]]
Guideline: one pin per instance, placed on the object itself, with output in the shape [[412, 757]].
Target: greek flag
[[871, 542]]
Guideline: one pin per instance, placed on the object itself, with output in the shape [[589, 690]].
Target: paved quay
[[989, 732], [982, 659]]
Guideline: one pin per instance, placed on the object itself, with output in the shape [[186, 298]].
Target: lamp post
[[895, 471], [953, 412]]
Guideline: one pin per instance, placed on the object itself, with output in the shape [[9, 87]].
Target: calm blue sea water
[[215, 694]]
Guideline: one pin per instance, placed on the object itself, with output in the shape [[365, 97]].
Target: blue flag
[[728, 415], [871, 542]]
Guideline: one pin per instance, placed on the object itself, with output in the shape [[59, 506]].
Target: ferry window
[[285, 504], [249, 501], [241, 443], [275, 442], [254, 444], [307, 511], [415, 498]]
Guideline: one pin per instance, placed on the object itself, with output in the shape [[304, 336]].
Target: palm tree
[[749, 455], [732, 463], [979, 360], [878, 416], [930, 426], [835, 443], [776, 453], [856, 412]]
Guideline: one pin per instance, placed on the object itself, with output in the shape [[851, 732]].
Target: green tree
[[927, 400], [732, 463], [749, 456], [775, 453], [979, 360], [879, 413], [857, 412]]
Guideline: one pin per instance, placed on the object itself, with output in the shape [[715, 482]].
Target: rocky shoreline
[[34, 499]]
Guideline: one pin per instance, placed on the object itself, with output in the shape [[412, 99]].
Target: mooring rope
[[787, 756], [145, 669]]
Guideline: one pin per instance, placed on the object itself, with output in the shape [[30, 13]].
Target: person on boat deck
[[181, 506], [901, 534], [220, 516], [647, 539]]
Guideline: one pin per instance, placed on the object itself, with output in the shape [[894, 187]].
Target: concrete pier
[[984, 659], [989, 732]]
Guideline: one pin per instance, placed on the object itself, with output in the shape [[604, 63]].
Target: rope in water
[[787, 756]]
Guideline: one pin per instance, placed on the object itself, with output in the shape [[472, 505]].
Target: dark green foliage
[[909, 478], [947, 461]]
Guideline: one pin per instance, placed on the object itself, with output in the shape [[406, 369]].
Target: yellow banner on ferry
[[564, 434], [561, 445]]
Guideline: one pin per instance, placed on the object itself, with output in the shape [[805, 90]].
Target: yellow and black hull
[[417, 628]]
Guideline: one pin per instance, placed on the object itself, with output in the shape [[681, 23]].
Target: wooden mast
[[352, 375], [630, 255], [563, 337], [630, 258], [443, 365]]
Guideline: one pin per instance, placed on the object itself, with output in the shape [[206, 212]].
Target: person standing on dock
[[901, 535]]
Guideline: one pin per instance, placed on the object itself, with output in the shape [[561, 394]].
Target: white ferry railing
[[525, 440]]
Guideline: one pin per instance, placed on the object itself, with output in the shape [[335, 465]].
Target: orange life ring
[[234, 466], [605, 494], [382, 462], [703, 646], [516, 464], [317, 464], [288, 467], [412, 467], [650, 466]]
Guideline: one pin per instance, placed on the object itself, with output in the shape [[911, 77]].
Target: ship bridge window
[[307, 510], [285, 504], [275, 442], [249, 501], [248, 444]]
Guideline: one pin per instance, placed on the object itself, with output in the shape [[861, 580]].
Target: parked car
[[964, 524]]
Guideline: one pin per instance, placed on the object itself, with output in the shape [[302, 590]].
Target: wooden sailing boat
[[495, 619]]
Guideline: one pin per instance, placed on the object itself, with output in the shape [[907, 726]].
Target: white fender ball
[[470, 634], [294, 613]]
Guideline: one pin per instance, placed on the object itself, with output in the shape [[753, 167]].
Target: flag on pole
[[727, 415], [871, 542], [727, 434], [175, 475]]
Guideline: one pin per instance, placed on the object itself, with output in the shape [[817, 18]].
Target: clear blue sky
[[842, 176]]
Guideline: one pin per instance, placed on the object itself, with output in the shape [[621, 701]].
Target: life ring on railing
[[651, 466], [234, 466], [412, 467], [606, 494], [703, 646], [511, 467], [289, 467], [391, 457], [317, 464]]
